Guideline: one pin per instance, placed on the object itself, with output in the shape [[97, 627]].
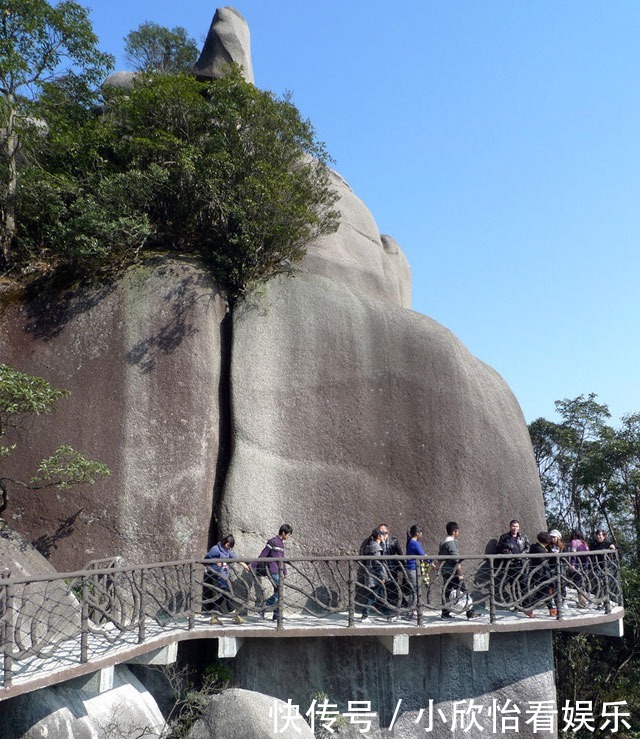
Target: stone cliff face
[[325, 402], [142, 361], [346, 412]]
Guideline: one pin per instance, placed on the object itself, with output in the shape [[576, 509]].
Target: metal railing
[[130, 604]]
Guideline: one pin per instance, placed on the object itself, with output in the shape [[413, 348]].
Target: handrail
[[39, 613]]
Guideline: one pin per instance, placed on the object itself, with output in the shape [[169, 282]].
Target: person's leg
[[411, 590], [272, 600], [449, 585]]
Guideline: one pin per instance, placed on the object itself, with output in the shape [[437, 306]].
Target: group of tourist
[[541, 584], [390, 586]]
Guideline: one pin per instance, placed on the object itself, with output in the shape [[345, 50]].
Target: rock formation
[[71, 711], [246, 714], [142, 361], [346, 411], [322, 401], [227, 42]]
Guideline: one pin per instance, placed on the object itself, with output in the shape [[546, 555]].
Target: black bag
[[261, 569]]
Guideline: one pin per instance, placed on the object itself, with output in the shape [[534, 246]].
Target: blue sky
[[498, 142]]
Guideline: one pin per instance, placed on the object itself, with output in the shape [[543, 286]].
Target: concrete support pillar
[[474, 642], [228, 646], [396, 644]]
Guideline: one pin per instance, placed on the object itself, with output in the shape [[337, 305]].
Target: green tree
[[22, 396], [566, 455], [590, 474], [38, 42], [155, 48], [219, 169]]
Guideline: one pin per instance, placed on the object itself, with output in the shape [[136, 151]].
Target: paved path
[[107, 647]]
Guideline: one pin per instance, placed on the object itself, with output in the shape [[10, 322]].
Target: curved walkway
[[73, 624]]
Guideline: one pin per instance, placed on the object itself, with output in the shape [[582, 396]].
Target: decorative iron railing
[[129, 604]]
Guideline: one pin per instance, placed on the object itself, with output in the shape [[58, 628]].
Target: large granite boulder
[[358, 255], [228, 42], [142, 359], [347, 412], [244, 714], [70, 711]]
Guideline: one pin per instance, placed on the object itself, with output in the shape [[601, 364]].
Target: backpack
[[262, 568]]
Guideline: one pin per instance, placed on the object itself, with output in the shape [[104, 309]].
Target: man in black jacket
[[508, 573], [391, 546]]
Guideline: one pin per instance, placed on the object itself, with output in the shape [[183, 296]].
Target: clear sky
[[498, 142]]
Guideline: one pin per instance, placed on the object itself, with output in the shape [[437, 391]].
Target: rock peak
[[227, 42]]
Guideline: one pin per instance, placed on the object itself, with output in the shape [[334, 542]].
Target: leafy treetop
[[38, 42], [218, 169], [155, 48]]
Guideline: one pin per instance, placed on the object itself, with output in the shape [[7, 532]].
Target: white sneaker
[[365, 620]]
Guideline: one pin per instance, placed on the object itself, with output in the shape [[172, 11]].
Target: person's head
[[577, 535], [376, 534], [600, 535], [452, 528], [415, 532], [285, 531], [384, 530], [228, 542], [554, 536], [514, 527], [543, 538]]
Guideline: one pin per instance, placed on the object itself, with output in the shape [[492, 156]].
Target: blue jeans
[[375, 595], [273, 599]]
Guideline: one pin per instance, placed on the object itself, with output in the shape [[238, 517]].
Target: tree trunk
[[10, 186]]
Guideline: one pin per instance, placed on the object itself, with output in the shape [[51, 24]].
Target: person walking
[[274, 549], [216, 582], [455, 588], [510, 573], [392, 547], [414, 569], [376, 576]]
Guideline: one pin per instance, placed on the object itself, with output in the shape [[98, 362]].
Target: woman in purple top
[[578, 565]]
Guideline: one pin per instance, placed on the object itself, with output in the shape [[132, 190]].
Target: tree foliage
[[218, 169], [590, 474], [22, 396], [155, 48], [38, 42], [590, 471]]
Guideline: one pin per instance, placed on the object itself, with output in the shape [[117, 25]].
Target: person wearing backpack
[[274, 549]]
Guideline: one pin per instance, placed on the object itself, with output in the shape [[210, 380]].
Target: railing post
[[558, 585], [352, 592], [192, 595], [607, 590], [280, 590], [492, 589], [143, 607], [8, 634], [84, 622]]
